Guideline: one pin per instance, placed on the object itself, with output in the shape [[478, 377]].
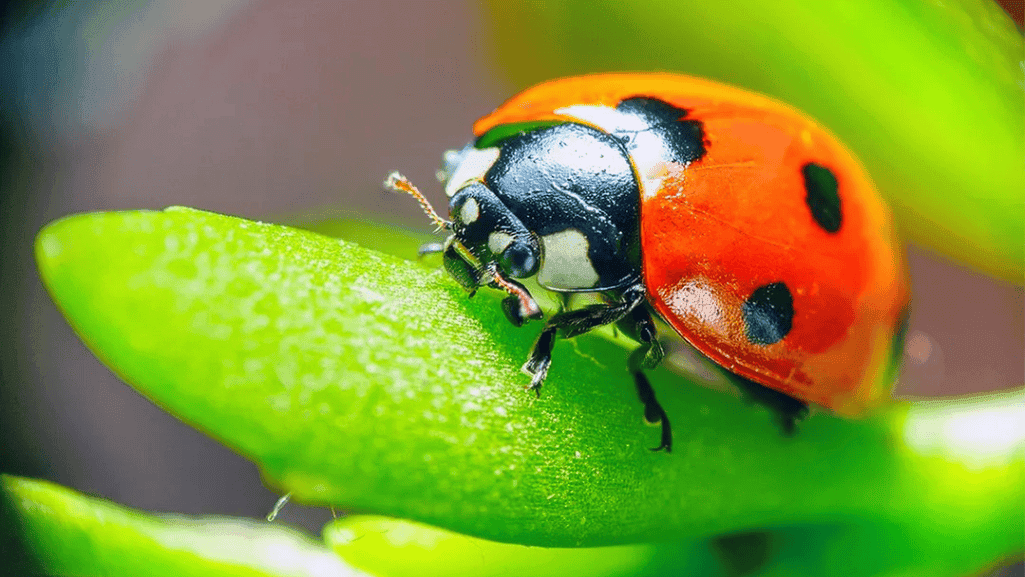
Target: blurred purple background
[[268, 109]]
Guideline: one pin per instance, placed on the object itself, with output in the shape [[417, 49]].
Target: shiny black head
[[491, 233], [488, 244]]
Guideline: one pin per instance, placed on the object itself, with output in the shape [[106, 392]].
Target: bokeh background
[[280, 110]]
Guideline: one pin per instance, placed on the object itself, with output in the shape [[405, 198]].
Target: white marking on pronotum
[[498, 241], [473, 166], [647, 152], [604, 117], [470, 211], [566, 264]]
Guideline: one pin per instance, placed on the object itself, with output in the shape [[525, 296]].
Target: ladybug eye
[[519, 260]]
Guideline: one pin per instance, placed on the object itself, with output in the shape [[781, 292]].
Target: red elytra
[[714, 231]]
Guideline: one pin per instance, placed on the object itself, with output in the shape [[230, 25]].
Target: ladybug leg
[[653, 411], [788, 410], [641, 327], [573, 323], [647, 356], [540, 358]]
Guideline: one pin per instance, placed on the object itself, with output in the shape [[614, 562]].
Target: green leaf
[[404, 549], [928, 94], [397, 548], [61, 532], [366, 381]]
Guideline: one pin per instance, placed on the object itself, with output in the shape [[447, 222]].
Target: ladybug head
[[489, 246], [490, 231], [486, 237]]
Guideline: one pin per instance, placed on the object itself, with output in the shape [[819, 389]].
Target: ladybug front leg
[[540, 358], [574, 323]]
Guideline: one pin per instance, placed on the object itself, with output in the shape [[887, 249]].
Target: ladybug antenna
[[399, 183]]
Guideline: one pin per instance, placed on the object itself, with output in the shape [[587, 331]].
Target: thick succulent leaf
[[46, 529], [396, 548], [366, 381], [928, 94]]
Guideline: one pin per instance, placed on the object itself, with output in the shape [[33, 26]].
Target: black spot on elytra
[[769, 314], [682, 140], [822, 198]]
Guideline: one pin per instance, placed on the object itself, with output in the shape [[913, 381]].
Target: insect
[[740, 222]]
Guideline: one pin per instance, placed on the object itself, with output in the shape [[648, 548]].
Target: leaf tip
[[51, 244]]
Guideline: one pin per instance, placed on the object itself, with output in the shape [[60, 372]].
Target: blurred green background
[[290, 111]]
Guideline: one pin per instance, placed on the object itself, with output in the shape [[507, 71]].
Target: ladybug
[[740, 222]]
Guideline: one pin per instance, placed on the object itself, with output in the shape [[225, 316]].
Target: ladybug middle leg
[[641, 327], [577, 322], [635, 320]]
